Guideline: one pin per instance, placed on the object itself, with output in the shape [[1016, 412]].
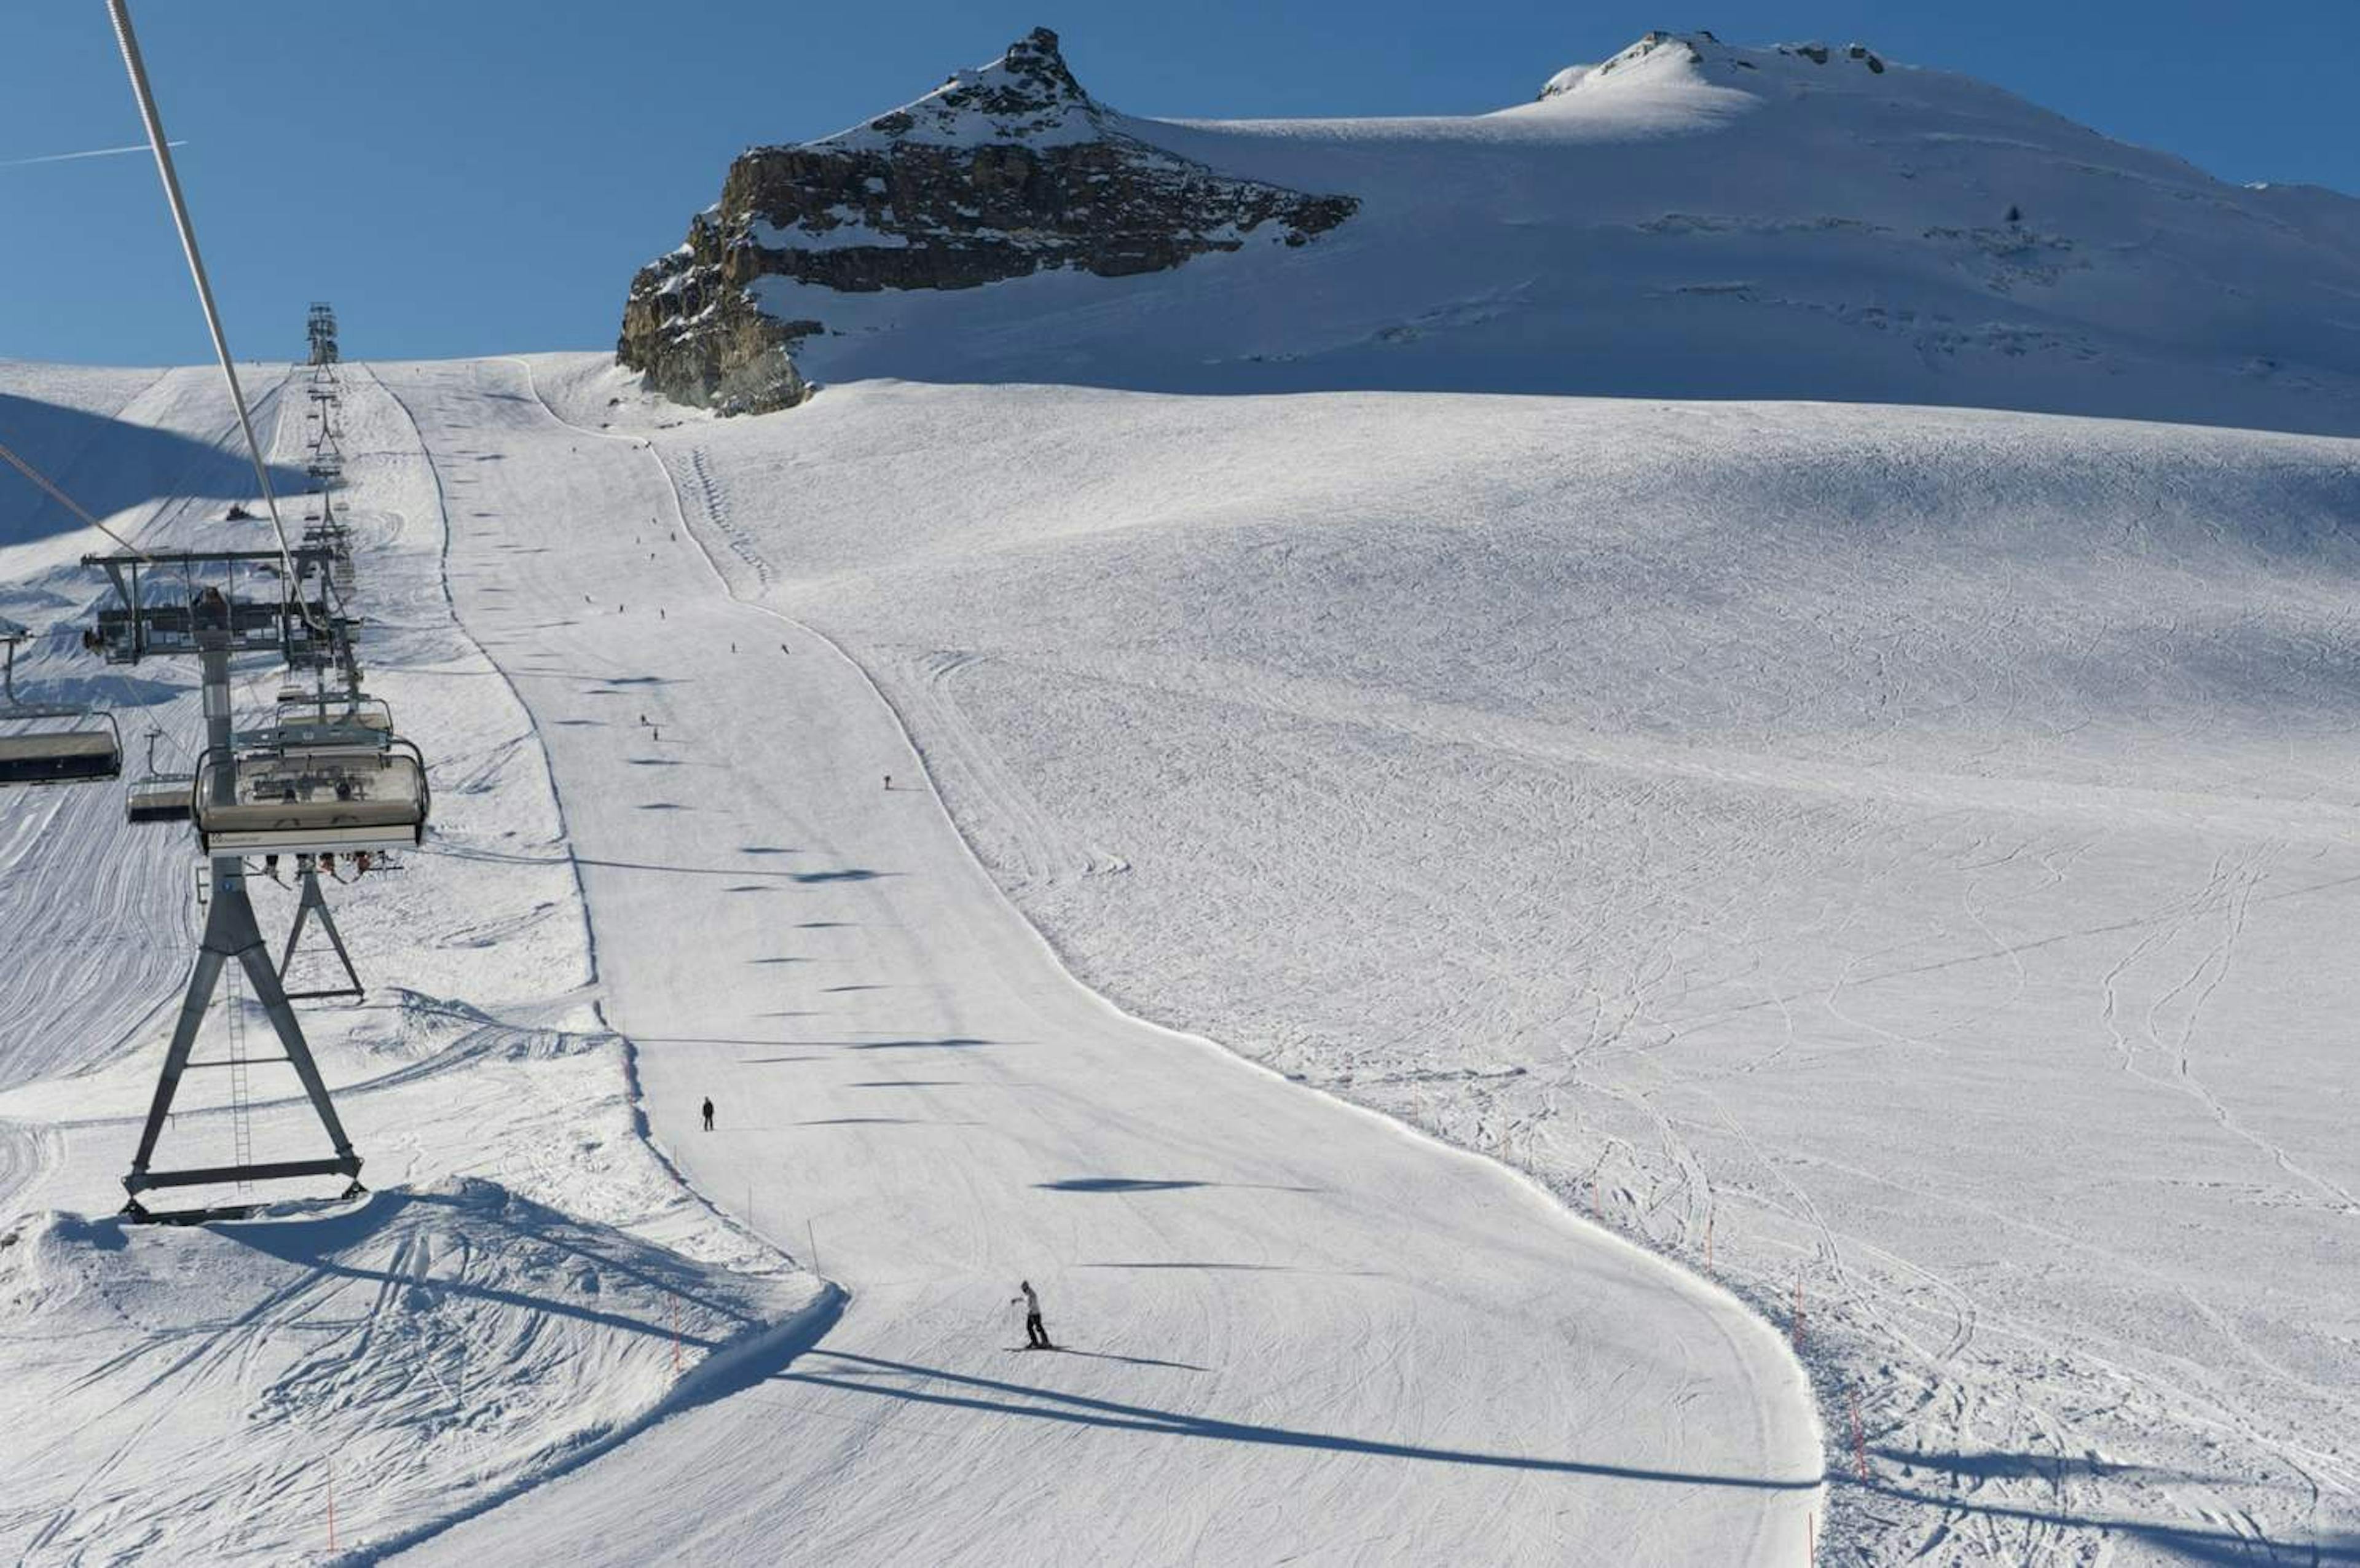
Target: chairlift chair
[[324, 720], [159, 797], [329, 776], [163, 797], [49, 742]]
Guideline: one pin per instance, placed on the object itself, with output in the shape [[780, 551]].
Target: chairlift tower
[[297, 624], [324, 465], [326, 404], [321, 329]]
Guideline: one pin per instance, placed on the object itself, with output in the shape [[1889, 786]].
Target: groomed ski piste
[[664, 870], [1750, 976], [1286, 1325]]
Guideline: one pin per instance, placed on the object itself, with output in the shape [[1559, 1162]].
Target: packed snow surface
[[668, 866], [1901, 855], [528, 1285]]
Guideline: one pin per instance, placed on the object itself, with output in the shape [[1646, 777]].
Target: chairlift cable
[[119, 11]]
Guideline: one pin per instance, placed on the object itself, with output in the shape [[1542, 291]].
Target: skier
[[888, 782], [1036, 1338], [708, 1113]]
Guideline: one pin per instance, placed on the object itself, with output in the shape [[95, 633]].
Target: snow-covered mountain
[[1855, 893], [1690, 218], [999, 174]]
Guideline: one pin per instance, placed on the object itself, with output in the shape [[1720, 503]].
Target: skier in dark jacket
[[1036, 1338], [708, 1113]]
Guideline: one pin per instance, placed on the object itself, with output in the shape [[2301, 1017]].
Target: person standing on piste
[[1036, 1338]]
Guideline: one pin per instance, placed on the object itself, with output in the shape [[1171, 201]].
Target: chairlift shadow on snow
[[312, 1243], [946, 1042], [1132, 1360], [884, 1121], [2184, 1540], [1115, 1184], [1149, 1184], [739, 871], [1995, 1465], [1220, 1268], [933, 1386]]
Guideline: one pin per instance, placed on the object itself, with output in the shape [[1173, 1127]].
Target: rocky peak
[[1002, 172], [1027, 94]]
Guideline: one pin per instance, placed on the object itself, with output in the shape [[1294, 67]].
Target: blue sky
[[465, 179]]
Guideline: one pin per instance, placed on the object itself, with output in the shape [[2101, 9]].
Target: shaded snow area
[[528, 1283], [1690, 219], [1895, 858], [213, 1392]]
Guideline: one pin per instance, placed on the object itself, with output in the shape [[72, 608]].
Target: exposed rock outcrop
[[1002, 172]]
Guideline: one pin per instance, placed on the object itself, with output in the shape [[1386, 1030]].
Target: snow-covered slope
[[1899, 855], [665, 866], [1293, 1331], [530, 1282], [1690, 219]]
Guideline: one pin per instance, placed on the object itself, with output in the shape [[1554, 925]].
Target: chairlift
[[324, 720], [330, 775], [158, 797], [49, 742]]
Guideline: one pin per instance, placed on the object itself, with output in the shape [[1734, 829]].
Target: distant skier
[[708, 1113], [1036, 1338]]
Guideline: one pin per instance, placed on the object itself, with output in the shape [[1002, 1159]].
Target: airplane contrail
[[70, 156]]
